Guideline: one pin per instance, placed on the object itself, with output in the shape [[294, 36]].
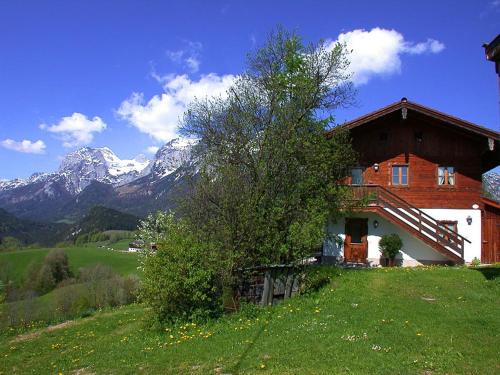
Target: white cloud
[[25, 145], [430, 46], [76, 130], [152, 149], [159, 116], [189, 56], [378, 51]]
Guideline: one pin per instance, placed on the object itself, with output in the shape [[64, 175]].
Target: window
[[399, 175], [446, 176], [446, 227], [357, 176]]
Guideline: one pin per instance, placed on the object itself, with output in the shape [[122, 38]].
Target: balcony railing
[[409, 215]]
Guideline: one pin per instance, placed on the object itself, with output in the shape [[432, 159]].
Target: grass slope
[[79, 256], [396, 321]]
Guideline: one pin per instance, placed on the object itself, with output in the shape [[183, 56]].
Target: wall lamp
[[376, 167], [375, 224], [469, 220]]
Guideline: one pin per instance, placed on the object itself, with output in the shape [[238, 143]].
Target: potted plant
[[390, 245]]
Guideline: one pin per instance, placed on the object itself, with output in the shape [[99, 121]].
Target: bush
[[45, 277], [180, 280], [315, 278], [95, 288], [9, 243], [390, 245]]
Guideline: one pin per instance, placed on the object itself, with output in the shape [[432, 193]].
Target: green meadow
[[432, 320], [79, 256]]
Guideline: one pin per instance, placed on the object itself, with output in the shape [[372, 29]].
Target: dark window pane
[[356, 232], [357, 176]]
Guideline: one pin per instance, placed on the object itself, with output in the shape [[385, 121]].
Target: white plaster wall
[[471, 232], [414, 251]]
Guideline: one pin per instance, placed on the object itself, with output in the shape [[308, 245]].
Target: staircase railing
[[404, 212]]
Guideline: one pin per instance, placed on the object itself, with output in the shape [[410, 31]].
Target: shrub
[[9, 243], [390, 245], [180, 279], [315, 278], [54, 269], [475, 262]]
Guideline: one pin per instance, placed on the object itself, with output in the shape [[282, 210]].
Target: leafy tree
[[269, 177], [45, 277]]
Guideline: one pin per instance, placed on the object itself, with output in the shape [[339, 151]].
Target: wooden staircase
[[377, 199]]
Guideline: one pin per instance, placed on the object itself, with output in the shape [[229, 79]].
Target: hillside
[[100, 219], [123, 263], [28, 231], [444, 321]]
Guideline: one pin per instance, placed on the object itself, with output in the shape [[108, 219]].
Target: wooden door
[[356, 240], [490, 249]]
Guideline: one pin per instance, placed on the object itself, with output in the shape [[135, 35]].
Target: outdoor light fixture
[[469, 220], [376, 167], [375, 223]]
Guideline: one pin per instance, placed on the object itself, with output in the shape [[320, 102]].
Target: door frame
[[356, 252]]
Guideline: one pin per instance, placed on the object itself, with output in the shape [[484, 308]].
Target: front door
[[356, 240]]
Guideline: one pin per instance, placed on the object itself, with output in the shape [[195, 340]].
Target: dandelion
[[262, 366]]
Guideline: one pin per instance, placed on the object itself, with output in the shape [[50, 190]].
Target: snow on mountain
[[79, 168], [85, 165], [172, 156], [491, 185]]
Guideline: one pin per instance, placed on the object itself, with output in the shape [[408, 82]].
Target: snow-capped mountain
[[491, 185], [85, 165], [90, 176], [171, 156]]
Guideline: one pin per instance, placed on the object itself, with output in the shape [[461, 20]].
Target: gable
[[444, 134]]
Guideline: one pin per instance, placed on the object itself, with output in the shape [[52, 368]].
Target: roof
[[490, 202], [411, 106], [492, 49]]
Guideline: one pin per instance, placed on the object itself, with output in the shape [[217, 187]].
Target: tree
[[269, 177]]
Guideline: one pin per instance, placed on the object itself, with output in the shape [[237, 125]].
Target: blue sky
[[119, 73]]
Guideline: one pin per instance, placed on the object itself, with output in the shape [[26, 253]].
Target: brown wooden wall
[[391, 140], [490, 249]]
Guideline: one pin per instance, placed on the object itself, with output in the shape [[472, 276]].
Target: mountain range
[[91, 177], [96, 176]]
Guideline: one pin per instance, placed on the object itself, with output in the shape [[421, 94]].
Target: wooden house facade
[[421, 172]]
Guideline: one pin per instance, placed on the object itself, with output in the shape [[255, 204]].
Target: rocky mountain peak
[[172, 155]]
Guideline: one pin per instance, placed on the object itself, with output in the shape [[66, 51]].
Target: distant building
[[138, 245], [135, 246]]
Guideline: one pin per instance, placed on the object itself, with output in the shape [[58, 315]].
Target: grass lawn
[[79, 256], [383, 321]]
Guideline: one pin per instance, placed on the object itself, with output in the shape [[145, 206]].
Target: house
[[135, 246], [138, 245], [420, 172]]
